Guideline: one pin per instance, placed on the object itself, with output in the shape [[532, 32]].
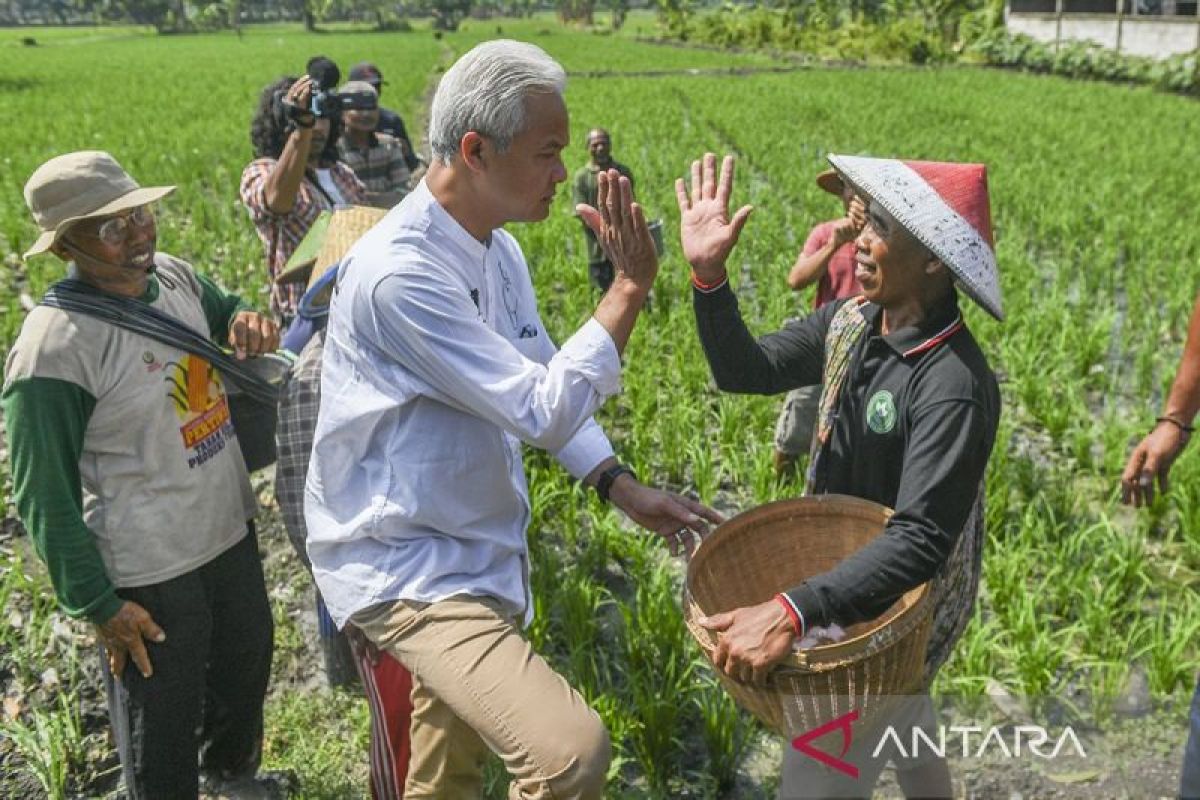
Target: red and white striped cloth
[[388, 687]]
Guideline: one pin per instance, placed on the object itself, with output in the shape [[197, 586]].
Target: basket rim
[[822, 657], [771, 510], [826, 657]]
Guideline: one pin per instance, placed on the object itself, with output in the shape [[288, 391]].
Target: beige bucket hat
[[81, 185]]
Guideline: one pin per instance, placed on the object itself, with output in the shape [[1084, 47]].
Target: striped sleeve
[[46, 419]]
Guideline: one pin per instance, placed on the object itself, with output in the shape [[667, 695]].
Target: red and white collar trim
[[935, 340]]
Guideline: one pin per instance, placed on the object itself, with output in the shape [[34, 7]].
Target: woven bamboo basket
[[775, 547]]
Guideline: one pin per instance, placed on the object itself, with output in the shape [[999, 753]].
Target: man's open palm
[[707, 231]]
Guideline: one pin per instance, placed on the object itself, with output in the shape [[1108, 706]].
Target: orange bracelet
[[708, 287]]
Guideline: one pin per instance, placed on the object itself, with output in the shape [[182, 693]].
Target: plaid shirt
[[294, 438], [381, 165], [282, 233]]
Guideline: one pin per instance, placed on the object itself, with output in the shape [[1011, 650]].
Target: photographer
[[295, 174]]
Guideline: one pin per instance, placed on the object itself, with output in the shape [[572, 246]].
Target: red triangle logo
[[803, 743]]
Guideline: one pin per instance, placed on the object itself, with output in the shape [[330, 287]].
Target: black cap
[[366, 71], [324, 72]]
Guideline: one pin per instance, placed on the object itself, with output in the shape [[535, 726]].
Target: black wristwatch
[[604, 484]]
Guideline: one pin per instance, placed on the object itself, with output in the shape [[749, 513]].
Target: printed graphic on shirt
[[512, 305], [881, 412], [196, 392]]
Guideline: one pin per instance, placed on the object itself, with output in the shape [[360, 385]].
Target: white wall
[[1157, 37], [1094, 29]]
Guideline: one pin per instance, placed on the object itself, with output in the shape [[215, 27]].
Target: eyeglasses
[[116, 230]]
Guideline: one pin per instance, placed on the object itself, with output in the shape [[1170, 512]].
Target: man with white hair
[[436, 367]]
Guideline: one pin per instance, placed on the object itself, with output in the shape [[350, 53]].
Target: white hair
[[485, 91]]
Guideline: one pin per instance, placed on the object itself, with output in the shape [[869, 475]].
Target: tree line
[[179, 16]]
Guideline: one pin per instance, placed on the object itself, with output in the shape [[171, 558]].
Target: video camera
[[330, 103], [326, 102]]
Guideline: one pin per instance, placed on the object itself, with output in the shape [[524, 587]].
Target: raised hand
[[620, 227], [707, 231], [850, 226], [858, 213]]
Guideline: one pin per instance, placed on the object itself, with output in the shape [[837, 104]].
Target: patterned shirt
[[282, 233], [297, 424], [381, 165]]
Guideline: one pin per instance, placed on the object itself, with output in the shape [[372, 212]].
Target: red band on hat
[[964, 188]]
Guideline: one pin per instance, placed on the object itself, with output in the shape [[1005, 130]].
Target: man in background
[[378, 159], [389, 121], [584, 190]]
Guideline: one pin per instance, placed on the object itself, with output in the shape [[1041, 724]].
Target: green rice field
[[1093, 197]]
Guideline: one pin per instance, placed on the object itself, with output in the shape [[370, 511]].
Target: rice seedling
[[726, 732], [51, 740]]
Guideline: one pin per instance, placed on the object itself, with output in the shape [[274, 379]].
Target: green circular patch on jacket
[[881, 412]]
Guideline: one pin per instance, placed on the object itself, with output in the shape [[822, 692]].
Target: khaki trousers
[[478, 686]]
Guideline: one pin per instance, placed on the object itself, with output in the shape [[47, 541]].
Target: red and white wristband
[[709, 288], [793, 613]]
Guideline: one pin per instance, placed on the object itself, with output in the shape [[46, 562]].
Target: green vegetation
[[906, 31], [1089, 60], [1090, 192]]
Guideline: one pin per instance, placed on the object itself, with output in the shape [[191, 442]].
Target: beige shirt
[[165, 488]]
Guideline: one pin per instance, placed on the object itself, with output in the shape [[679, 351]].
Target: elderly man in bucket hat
[[129, 478], [908, 415]]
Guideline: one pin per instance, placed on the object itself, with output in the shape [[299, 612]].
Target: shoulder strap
[[845, 329], [123, 312]]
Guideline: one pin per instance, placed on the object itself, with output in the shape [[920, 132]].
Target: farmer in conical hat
[[907, 419]]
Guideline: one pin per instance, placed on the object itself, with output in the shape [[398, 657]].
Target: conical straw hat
[[945, 206], [347, 227]]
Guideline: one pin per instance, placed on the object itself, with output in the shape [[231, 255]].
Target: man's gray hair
[[485, 92]]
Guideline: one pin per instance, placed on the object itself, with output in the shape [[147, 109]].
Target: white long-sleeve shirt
[[436, 367]]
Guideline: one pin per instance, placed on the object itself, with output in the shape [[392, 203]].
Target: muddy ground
[[1132, 756]]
